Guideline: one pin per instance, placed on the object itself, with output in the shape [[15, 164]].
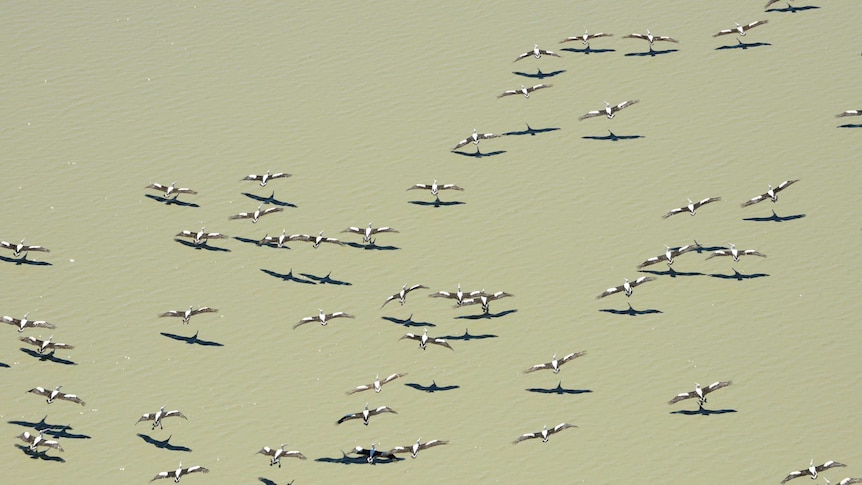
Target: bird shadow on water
[[39, 455], [193, 340], [3, 364], [630, 311], [587, 50], [790, 9], [702, 412], [611, 136], [651, 53], [372, 246], [356, 460], [326, 279], [529, 131], [672, 272], [267, 481], [468, 336], [432, 388], [24, 260], [49, 356], [408, 322], [170, 201], [774, 218], [256, 242], [163, 444], [198, 247], [559, 390], [435, 203], [539, 74], [850, 125], [52, 429], [488, 315], [287, 276], [738, 276], [478, 154], [742, 45], [269, 200]]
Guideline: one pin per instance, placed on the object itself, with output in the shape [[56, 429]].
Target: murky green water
[[359, 102]]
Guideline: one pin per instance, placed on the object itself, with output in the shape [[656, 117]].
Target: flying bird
[[20, 247], [537, 53], [372, 453], [700, 393], [846, 481], [691, 207], [24, 322], [435, 188], [668, 256], [401, 295], [35, 441], [545, 433], [377, 385], [627, 286], [735, 253], [366, 414], [484, 299], [277, 454], [555, 363], [168, 190], [524, 90], [323, 318], [45, 344], [424, 340], [369, 231], [458, 295], [772, 193], [56, 394], [186, 315], [649, 37], [266, 177], [609, 110], [157, 417], [474, 138], [740, 29], [256, 214], [585, 38], [201, 237], [849, 112], [179, 472], [415, 448], [812, 470], [315, 240]]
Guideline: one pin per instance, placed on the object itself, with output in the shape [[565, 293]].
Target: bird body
[[609, 111], [626, 287], [377, 385], [524, 90], [735, 253], [366, 414], [402, 295], [179, 472], [20, 247], [277, 454], [771, 194], [415, 448], [157, 417], [323, 318], [700, 393], [25, 322], [740, 29], [545, 433], [424, 340], [256, 214], [266, 177], [201, 237], [186, 315], [45, 344], [555, 363], [812, 471], [537, 53], [691, 207], [55, 393]]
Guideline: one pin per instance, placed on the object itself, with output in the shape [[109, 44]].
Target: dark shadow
[[671, 272], [203, 245], [2, 364], [630, 311], [63, 432], [357, 460], [408, 322], [371, 246], [468, 336], [488, 315], [700, 248], [742, 45], [326, 280], [703, 412], [163, 444], [288, 276], [42, 425], [851, 125], [435, 203], [529, 131], [171, 201], [478, 154], [49, 356], [738, 276], [192, 340], [39, 455], [269, 200], [774, 218], [24, 260], [586, 50], [611, 136], [256, 242], [559, 390], [432, 388], [651, 53], [790, 9], [267, 481], [539, 74]]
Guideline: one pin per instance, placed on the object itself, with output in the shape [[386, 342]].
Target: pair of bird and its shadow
[[310, 279], [163, 444]]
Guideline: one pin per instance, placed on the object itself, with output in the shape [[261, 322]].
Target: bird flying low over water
[[424, 340], [609, 110], [56, 394], [668, 256], [585, 38], [740, 29], [401, 295], [256, 214], [649, 37], [700, 393], [179, 472], [276, 454], [458, 295], [524, 90], [545, 433], [812, 470], [35, 441], [186, 315], [691, 207], [369, 231], [735, 253], [627, 286], [435, 188], [168, 190], [537, 53], [849, 112], [770, 194], [157, 417], [555, 363], [415, 448], [371, 453], [315, 240], [323, 318], [200, 237], [484, 299], [266, 177], [366, 414], [24, 322], [377, 385], [20, 247], [474, 138], [45, 344], [846, 481]]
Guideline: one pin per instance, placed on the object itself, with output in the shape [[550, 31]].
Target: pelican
[[691, 207], [458, 295], [157, 417], [377, 385], [36, 441], [201, 237], [424, 340], [266, 177], [24, 322], [316, 240], [735, 253], [545, 433], [846, 481], [277, 454], [20, 247], [700, 393], [812, 470], [277, 240], [668, 255], [401, 295], [475, 138], [369, 231], [186, 315], [849, 112], [435, 188], [741, 29], [56, 394], [179, 472], [649, 37], [770, 194], [524, 90], [323, 318], [415, 448], [585, 38], [484, 298], [609, 110], [366, 414], [257, 214], [373, 453], [627, 286], [555, 364], [45, 344], [537, 53], [170, 189]]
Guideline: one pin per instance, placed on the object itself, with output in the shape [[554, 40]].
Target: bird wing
[[193, 469], [569, 39], [755, 200], [339, 314], [784, 185], [642, 279], [172, 313], [383, 229], [665, 38], [635, 36], [546, 365], [561, 427], [242, 215], [415, 287], [186, 234], [392, 378], [61, 346], [591, 114], [498, 295], [306, 320], [509, 92], [146, 417], [724, 32], [254, 177], [539, 86], [402, 449], [652, 260], [674, 212], [625, 104], [526, 54], [72, 397], [715, 386], [411, 336], [429, 444], [40, 390], [440, 341], [214, 235], [753, 252], [355, 229], [8, 245], [52, 444], [295, 454], [396, 295], [175, 412], [610, 291], [300, 237], [204, 309], [156, 186], [185, 190], [849, 112], [363, 387], [421, 186], [30, 340], [162, 475], [548, 53], [770, 2], [382, 409], [720, 252], [682, 396], [459, 145], [347, 417], [266, 450], [449, 186], [525, 436], [280, 175], [754, 24], [271, 210], [599, 34], [573, 355], [440, 294], [36, 248], [706, 201], [683, 249]]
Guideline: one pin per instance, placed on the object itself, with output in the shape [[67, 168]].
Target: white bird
[[277, 454], [277, 240], [627, 286], [415, 448], [401, 295], [186, 315], [377, 385], [846, 481], [524, 90], [740, 29], [475, 138], [256, 214], [157, 417], [35, 441], [735, 253], [484, 299], [167, 190], [315, 240], [45, 344], [545, 433], [585, 38], [770, 194], [366, 414], [200, 237], [555, 364], [609, 110], [179, 472], [24, 322], [668, 256], [56, 394], [323, 318], [537, 53], [266, 177], [691, 207], [458, 295], [849, 112], [424, 340], [369, 231], [435, 188], [372, 453], [700, 393], [649, 37], [812, 470], [20, 247]]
